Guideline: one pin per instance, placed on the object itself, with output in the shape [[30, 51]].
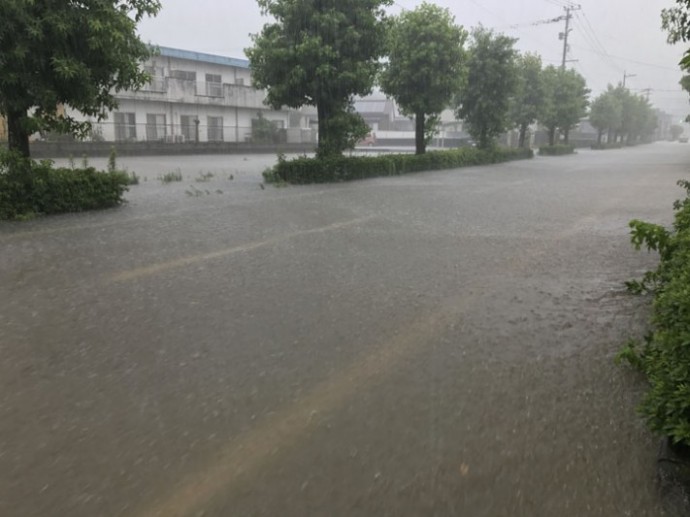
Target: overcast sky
[[609, 37]]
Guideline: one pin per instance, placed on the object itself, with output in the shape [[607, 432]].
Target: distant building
[[192, 97], [389, 127]]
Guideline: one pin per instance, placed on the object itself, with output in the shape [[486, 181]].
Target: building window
[[188, 127], [214, 86], [125, 127], [155, 127], [239, 81], [157, 83], [215, 129], [183, 75]]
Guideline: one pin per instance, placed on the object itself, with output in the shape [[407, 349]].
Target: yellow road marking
[[252, 451], [160, 267]]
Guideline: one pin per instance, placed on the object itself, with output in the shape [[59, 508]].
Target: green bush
[[348, 168], [665, 356], [604, 147], [556, 150], [29, 188]]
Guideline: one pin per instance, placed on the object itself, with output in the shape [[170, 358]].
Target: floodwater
[[434, 344]]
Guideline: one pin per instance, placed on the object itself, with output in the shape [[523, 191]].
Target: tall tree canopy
[[529, 96], [606, 114], [321, 53], [492, 81], [67, 53], [565, 103], [425, 69]]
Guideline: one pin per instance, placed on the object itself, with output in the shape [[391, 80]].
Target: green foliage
[[484, 103], [526, 105], [112, 159], [676, 21], [320, 54], [606, 113], [29, 188], [606, 146], [264, 131], [171, 177], [556, 150], [72, 54], [665, 356], [336, 169], [565, 101], [638, 121], [425, 68]]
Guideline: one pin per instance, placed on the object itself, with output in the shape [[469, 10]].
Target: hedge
[[556, 150], [665, 356], [348, 168], [29, 188], [605, 147]]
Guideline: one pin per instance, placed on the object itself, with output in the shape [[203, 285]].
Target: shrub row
[[603, 147], [556, 150], [665, 356], [348, 168], [29, 188]]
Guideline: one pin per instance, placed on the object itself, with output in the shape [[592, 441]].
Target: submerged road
[[438, 344]]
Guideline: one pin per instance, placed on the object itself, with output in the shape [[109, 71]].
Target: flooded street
[[437, 344]]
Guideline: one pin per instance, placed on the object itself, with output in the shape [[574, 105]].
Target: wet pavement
[[436, 344]]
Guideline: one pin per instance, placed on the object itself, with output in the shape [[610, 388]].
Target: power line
[[641, 63], [590, 35]]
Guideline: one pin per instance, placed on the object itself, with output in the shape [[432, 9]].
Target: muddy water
[[436, 344]]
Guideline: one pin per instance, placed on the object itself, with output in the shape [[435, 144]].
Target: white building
[[193, 97]]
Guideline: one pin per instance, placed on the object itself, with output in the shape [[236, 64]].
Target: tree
[[321, 53], [676, 131], [491, 82], [606, 113], [676, 21], [565, 101], [425, 65], [67, 53], [529, 96]]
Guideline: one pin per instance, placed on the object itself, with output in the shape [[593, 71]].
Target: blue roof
[[204, 58]]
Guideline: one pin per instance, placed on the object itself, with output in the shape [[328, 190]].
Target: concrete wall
[[94, 149]]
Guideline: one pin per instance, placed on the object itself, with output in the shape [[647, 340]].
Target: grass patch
[[171, 177]]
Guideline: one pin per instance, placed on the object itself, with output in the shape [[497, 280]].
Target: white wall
[[237, 107]]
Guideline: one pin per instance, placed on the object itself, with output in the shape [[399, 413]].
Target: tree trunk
[[322, 115], [566, 136], [18, 135], [600, 136], [420, 137], [523, 135], [552, 135]]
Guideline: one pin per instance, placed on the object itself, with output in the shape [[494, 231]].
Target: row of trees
[[625, 117], [324, 53]]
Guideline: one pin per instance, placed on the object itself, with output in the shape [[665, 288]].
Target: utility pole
[[625, 77], [564, 36]]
